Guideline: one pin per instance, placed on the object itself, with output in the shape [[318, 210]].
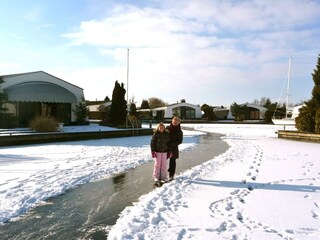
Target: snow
[[262, 187], [31, 174]]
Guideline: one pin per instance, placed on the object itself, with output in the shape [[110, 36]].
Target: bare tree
[[156, 102]]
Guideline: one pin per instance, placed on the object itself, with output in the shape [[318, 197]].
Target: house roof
[[40, 87], [37, 72], [40, 92]]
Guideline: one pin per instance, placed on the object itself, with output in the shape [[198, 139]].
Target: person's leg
[[163, 167], [156, 168], [172, 167]]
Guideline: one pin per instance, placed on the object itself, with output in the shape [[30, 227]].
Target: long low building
[[41, 94], [181, 109], [254, 112]]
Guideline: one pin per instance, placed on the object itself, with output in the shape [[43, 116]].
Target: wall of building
[[58, 105]]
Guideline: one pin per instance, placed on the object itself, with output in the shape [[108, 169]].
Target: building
[[98, 109], [41, 94], [254, 113], [183, 110], [220, 113]]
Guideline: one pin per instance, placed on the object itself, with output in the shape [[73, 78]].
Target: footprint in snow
[[307, 196], [240, 217], [315, 214], [290, 231], [235, 192], [209, 229], [229, 206]]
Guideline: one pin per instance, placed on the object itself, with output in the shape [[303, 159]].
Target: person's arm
[[152, 143], [153, 146], [180, 138]]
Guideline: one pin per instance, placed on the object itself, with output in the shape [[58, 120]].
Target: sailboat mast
[[288, 85]]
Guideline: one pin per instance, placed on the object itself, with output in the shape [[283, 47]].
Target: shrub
[[268, 116], [305, 120], [81, 112], [8, 121], [44, 124]]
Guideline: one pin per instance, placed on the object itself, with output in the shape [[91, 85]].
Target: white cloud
[[189, 49]]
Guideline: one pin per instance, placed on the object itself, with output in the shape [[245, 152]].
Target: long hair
[[157, 129]]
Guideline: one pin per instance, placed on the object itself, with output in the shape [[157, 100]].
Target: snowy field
[[262, 187]]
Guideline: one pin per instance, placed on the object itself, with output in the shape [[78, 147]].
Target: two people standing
[[164, 145]]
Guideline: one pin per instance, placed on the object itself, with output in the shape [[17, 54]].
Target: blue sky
[[204, 51]]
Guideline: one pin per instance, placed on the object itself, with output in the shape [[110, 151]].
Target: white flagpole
[[128, 77]]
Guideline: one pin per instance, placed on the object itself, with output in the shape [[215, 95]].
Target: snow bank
[[261, 188]]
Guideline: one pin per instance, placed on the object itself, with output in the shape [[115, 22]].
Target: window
[[184, 112]]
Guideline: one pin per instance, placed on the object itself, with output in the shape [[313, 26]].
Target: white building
[[255, 112], [39, 93], [182, 110]]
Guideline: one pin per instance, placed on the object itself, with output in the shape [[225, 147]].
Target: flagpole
[[128, 107], [127, 75]]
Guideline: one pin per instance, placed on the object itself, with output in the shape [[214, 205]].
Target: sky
[[203, 51], [261, 187]]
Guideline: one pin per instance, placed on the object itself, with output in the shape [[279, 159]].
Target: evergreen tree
[[317, 121], [208, 112], [145, 104], [273, 110], [238, 111], [81, 112], [118, 110], [133, 109], [308, 117]]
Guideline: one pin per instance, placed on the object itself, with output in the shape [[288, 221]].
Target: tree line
[[119, 114]]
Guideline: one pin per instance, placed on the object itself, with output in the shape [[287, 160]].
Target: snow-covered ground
[[262, 187], [31, 174]]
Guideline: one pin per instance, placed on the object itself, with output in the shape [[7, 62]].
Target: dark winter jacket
[[176, 137], [160, 142]]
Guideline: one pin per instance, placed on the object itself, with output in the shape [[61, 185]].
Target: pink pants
[[160, 167]]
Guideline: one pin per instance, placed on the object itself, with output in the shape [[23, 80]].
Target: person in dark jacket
[[160, 151], [176, 137]]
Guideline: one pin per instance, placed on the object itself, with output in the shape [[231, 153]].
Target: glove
[[154, 155], [169, 155]]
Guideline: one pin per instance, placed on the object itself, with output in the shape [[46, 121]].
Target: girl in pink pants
[[160, 152], [160, 167]]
